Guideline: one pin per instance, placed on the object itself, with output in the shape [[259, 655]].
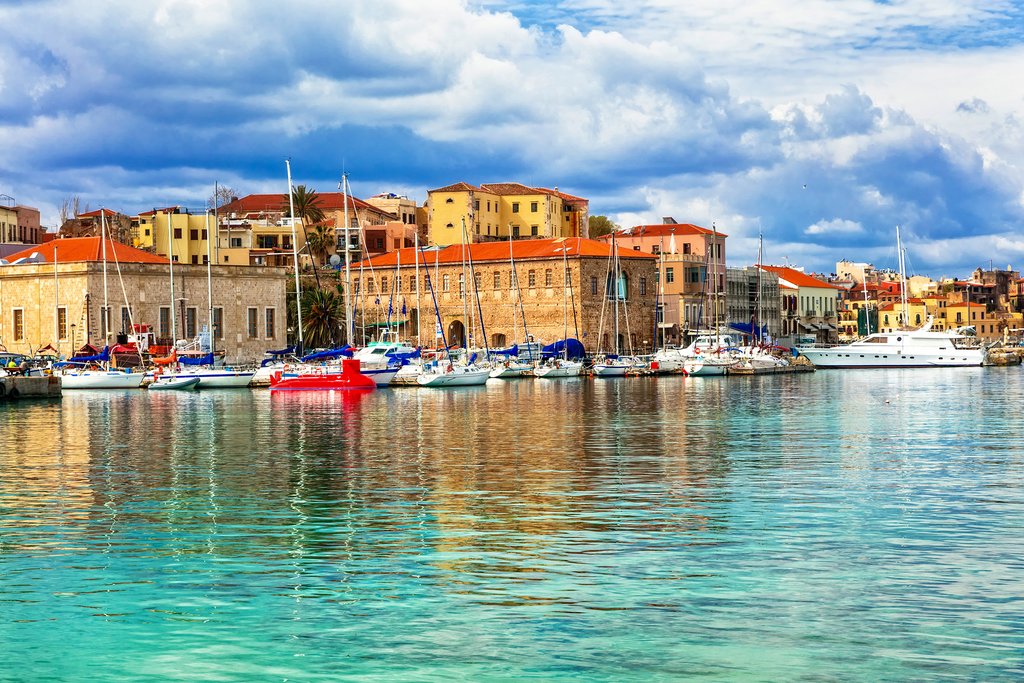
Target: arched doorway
[[498, 341], [456, 333]]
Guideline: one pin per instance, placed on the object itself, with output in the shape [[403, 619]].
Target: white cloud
[[836, 225]]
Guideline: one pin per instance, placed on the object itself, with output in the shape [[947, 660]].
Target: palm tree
[[322, 323], [307, 205], [320, 241]]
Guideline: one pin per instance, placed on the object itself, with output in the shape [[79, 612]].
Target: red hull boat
[[348, 379]]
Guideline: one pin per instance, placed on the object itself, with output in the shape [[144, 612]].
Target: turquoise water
[[845, 525]]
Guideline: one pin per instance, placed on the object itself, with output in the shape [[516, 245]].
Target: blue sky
[[820, 124]]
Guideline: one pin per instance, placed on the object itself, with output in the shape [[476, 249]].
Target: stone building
[[570, 293], [744, 303], [39, 306]]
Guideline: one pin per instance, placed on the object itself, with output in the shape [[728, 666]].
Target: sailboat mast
[[618, 284], [757, 320], [714, 284], [170, 271], [106, 305], [864, 285], [901, 254], [349, 323], [295, 254], [419, 321], [209, 279], [464, 289]]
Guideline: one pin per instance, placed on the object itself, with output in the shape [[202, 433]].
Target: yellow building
[[491, 211], [890, 315], [175, 233]]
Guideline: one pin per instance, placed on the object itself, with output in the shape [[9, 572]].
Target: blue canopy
[[345, 350], [749, 329], [98, 358], [570, 348], [281, 352], [510, 351], [196, 360], [403, 355]]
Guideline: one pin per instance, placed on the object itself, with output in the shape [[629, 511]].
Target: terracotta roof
[[76, 249], [663, 230], [457, 187], [274, 203], [522, 250], [562, 195], [97, 213], [797, 278], [502, 189]]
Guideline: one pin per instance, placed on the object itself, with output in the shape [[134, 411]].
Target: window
[[252, 318], [269, 320], [370, 285], [235, 242], [643, 286], [379, 243], [548, 278], [218, 323], [444, 282], [383, 283], [195, 259], [533, 207], [497, 280], [412, 283], [193, 234], [449, 201], [191, 316], [462, 284], [637, 248], [515, 231], [686, 247], [19, 324], [656, 249], [62, 322], [177, 233], [146, 232], [531, 278], [126, 319], [593, 286], [203, 233], [165, 321], [478, 281], [206, 259], [476, 204], [670, 275], [515, 207], [533, 230]]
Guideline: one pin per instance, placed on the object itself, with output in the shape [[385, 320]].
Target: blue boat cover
[[510, 351], [196, 360], [281, 352], [749, 329], [572, 346], [345, 351], [98, 358]]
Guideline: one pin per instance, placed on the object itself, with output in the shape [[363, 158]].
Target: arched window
[[918, 318], [886, 318], [498, 340]]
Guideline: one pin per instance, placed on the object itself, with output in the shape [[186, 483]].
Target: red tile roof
[[507, 189], [522, 250], [663, 230], [457, 187], [797, 278], [562, 195], [166, 209], [76, 249], [97, 213], [275, 203]]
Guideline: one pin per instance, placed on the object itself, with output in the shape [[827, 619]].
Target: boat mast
[[349, 323], [209, 279], [106, 304], [295, 255], [864, 285], [463, 293], [714, 285], [419, 321], [170, 271], [757, 310], [618, 284], [519, 295], [902, 258]]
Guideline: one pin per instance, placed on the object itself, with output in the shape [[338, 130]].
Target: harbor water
[[844, 525]]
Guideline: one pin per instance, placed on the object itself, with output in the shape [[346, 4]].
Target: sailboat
[[507, 363], [613, 365], [554, 367], [909, 348], [444, 373], [95, 372], [714, 361]]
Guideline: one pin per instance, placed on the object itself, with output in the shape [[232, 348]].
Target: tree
[[601, 225], [320, 241], [223, 195], [307, 205], [321, 317]]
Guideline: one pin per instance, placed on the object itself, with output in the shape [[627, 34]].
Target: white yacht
[[920, 348]]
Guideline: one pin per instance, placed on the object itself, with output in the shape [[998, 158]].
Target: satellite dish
[[335, 259]]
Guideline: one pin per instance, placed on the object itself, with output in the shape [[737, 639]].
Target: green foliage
[[307, 205], [601, 225], [321, 317], [320, 240]]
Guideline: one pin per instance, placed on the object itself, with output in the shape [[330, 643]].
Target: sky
[[819, 125]]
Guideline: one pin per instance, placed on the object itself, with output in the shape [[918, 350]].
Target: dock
[[791, 369], [16, 387]]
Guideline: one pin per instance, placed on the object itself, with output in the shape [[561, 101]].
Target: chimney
[[668, 220]]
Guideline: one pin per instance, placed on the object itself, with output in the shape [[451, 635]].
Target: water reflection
[[644, 517]]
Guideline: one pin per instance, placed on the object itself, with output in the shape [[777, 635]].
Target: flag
[[403, 306]]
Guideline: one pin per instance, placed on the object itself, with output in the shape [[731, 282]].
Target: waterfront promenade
[[843, 525]]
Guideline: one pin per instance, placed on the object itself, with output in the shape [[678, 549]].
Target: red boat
[[347, 380]]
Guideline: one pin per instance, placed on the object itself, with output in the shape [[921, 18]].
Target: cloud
[[836, 225], [820, 128]]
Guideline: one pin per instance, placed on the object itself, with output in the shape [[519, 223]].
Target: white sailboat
[[560, 368], [715, 359]]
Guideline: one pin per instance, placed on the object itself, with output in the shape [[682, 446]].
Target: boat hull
[[607, 370], [459, 377], [511, 371], [560, 371], [175, 383], [704, 368], [101, 379], [840, 357]]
